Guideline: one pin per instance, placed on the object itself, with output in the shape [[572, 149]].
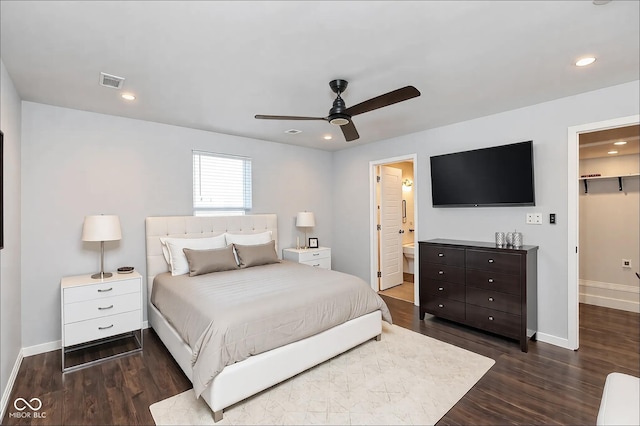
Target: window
[[221, 184]]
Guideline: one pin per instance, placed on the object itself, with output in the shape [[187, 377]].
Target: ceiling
[[214, 65], [601, 143]]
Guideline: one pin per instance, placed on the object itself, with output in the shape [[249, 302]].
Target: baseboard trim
[[610, 295], [554, 340], [12, 379]]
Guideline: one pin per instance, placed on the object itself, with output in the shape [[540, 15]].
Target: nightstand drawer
[[323, 262], [313, 255], [102, 307], [100, 290], [99, 328]]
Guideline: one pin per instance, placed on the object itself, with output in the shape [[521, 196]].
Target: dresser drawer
[[493, 281], [445, 308], [323, 262], [451, 274], [443, 289], [493, 261], [495, 321], [442, 255], [100, 290], [494, 300], [96, 308], [99, 328]]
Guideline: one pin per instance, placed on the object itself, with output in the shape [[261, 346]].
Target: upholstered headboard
[[198, 227]]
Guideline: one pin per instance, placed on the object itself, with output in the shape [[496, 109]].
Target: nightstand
[[97, 311], [319, 257]]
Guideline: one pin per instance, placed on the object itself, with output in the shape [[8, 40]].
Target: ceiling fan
[[340, 115]]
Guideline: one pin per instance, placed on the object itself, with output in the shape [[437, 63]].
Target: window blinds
[[221, 184]]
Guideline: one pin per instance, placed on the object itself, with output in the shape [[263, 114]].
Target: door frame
[[373, 235], [573, 214]]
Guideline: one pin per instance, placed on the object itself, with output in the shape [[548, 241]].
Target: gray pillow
[[256, 255], [211, 260]]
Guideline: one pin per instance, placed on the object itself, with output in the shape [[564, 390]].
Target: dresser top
[[481, 244]]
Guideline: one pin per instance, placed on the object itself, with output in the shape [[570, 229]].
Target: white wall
[[546, 124], [10, 325], [610, 232], [78, 163]]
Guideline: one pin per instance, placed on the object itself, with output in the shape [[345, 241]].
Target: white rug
[[406, 378]]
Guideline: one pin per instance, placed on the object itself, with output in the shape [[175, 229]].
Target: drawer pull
[[100, 308], [101, 290], [490, 261], [491, 299], [440, 272], [490, 318], [490, 280], [440, 288], [440, 254], [104, 328], [440, 305], [315, 254]]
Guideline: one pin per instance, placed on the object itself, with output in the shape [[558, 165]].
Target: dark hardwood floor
[[547, 385]]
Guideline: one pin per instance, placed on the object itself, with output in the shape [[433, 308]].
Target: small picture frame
[[313, 242]]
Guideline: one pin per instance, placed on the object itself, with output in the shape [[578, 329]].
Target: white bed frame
[[243, 379]]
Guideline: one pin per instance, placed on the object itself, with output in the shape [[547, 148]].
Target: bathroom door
[[390, 227]]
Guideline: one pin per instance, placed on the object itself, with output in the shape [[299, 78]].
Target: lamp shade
[[101, 228], [305, 219]]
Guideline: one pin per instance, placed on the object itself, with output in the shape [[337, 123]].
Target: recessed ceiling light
[[620, 143], [128, 96], [293, 131], [612, 152], [583, 62], [327, 137]]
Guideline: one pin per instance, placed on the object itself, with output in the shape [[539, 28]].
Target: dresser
[[319, 257], [94, 310], [480, 285]]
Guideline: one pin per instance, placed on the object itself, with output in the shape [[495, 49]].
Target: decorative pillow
[[248, 239], [177, 259], [211, 260], [257, 254]]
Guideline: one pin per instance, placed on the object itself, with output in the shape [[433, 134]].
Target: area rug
[[404, 379]]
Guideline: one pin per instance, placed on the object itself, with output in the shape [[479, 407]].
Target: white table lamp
[[101, 228], [305, 220]]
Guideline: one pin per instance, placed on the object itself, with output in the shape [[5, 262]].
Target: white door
[[390, 227]]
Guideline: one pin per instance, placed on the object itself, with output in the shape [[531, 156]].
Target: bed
[[240, 380]]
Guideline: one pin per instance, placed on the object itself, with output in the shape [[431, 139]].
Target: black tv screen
[[495, 176]]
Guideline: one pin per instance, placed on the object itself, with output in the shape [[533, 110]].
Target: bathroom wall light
[[407, 184]]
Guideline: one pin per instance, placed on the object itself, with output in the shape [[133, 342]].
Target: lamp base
[[101, 275]]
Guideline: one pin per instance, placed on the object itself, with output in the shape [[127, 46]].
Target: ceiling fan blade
[[349, 131], [287, 117], [381, 101]]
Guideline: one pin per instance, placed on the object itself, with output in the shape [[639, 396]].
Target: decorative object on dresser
[[101, 228], [305, 220], [94, 313], [480, 285], [313, 242], [319, 257]]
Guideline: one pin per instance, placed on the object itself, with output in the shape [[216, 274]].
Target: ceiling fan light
[[339, 121]]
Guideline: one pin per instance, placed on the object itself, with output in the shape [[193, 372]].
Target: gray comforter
[[225, 317]]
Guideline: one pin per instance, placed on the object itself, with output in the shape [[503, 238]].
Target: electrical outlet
[[534, 219], [626, 263]]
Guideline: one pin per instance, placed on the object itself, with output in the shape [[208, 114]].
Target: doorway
[[573, 232], [394, 227]]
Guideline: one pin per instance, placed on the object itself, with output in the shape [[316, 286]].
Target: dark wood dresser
[[480, 285]]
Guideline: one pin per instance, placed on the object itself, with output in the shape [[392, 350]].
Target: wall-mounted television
[[496, 176]]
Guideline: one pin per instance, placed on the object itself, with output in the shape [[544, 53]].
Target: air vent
[[293, 131], [112, 81]]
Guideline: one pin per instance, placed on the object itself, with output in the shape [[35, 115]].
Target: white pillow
[[172, 250], [249, 239]]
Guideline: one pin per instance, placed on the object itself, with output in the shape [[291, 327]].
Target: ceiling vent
[[293, 131], [112, 81]]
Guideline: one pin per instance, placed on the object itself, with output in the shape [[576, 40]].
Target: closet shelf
[[619, 177]]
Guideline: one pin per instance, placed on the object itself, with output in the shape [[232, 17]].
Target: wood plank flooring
[[547, 385]]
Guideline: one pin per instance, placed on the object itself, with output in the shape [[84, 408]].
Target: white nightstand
[[319, 257], [94, 310]]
